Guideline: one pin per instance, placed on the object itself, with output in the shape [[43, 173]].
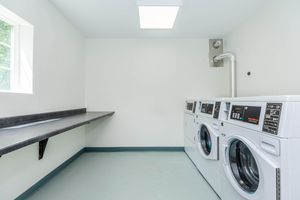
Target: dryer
[[190, 127], [260, 141], [207, 143]]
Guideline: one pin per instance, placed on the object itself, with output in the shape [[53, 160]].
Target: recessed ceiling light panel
[[157, 17], [158, 14]]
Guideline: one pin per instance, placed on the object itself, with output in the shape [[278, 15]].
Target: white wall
[[20, 169], [58, 84], [268, 45], [146, 82], [57, 62]]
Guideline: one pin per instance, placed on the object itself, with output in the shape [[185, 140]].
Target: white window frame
[[14, 54], [21, 69]]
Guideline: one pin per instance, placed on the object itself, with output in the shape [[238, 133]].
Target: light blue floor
[[128, 176]]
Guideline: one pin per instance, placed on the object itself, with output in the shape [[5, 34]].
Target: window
[[7, 55], [16, 51]]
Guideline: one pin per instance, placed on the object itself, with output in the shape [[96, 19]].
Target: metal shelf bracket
[[42, 147]]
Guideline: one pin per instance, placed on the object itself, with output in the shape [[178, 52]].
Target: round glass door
[[243, 166], [205, 140]]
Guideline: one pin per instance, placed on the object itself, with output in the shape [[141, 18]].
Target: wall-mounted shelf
[[14, 138]]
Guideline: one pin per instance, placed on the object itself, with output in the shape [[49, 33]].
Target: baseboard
[[45, 179], [133, 149]]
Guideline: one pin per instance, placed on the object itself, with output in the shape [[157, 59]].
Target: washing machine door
[[208, 142], [250, 171], [243, 165]]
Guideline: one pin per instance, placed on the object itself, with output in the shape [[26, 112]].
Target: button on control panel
[[272, 117]]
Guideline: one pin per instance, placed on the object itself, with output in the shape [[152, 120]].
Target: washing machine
[[190, 128], [207, 142], [227, 191], [260, 143]]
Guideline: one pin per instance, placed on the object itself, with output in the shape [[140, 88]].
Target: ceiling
[[119, 18]]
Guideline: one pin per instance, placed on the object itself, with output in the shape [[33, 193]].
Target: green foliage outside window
[[5, 54], [5, 32]]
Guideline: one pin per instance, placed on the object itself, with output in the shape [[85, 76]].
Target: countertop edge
[[54, 133]]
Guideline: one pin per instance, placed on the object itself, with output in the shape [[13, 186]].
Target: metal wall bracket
[[42, 147], [215, 49]]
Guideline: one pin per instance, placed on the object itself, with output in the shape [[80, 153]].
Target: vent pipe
[[217, 58], [231, 57]]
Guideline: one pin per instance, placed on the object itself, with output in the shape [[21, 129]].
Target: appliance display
[[189, 106], [249, 114], [207, 108]]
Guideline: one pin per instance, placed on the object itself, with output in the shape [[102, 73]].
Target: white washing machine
[[207, 143], [227, 190], [260, 143], [190, 127]]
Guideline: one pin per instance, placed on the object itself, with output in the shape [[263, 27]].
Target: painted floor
[[128, 176]]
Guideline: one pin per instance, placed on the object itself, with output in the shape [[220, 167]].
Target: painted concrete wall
[[146, 81], [268, 46], [58, 83], [58, 73], [21, 169]]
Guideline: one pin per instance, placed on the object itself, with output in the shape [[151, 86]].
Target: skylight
[[157, 17]]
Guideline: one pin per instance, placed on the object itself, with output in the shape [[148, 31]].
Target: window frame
[[23, 51], [14, 54]]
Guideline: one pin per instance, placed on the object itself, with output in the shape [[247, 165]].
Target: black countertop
[[14, 138]]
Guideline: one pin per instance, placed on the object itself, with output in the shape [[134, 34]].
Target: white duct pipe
[[231, 56]]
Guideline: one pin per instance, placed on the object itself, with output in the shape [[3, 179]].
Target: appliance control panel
[[217, 110], [272, 116], [189, 106], [249, 114], [207, 108]]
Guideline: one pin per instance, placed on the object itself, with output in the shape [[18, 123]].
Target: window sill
[[15, 92]]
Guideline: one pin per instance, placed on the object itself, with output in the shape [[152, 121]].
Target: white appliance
[[260, 145], [227, 190], [207, 143], [190, 127]]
